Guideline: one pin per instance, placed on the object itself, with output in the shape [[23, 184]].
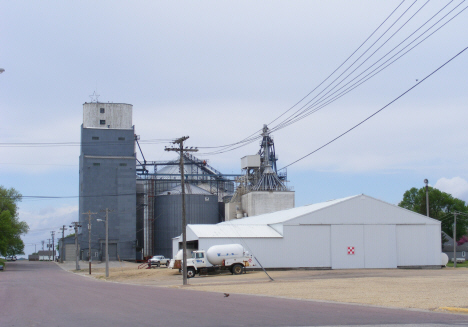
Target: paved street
[[42, 294]]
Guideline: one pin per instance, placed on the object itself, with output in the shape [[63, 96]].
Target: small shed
[[46, 255], [353, 232]]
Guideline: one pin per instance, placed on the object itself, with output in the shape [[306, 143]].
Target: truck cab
[[198, 260]]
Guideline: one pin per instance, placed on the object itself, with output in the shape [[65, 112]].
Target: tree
[[441, 207], [11, 228]]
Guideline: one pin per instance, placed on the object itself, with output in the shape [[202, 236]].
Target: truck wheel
[[237, 269], [190, 272]]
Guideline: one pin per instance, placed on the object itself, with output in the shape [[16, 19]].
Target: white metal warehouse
[[353, 232]]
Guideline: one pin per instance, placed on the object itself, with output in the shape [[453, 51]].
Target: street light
[[107, 241], [427, 197]]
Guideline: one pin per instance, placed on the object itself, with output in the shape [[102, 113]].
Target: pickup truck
[[159, 260]]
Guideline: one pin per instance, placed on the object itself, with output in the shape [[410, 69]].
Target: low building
[[46, 255], [353, 232], [461, 249], [67, 248]]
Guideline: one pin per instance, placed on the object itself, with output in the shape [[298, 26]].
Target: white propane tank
[[444, 259], [217, 253]]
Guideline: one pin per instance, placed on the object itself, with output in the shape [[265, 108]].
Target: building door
[[112, 252], [70, 254], [347, 246]]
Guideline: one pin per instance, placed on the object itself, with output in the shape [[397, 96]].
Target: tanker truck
[[232, 257]]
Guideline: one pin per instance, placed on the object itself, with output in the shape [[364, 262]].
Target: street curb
[[462, 310]]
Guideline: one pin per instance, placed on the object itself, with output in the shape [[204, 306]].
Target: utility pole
[[76, 225], [42, 245], [53, 245], [90, 258], [181, 150], [48, 247], [427, 197], [63, 229], [454, 240], [107, 241]]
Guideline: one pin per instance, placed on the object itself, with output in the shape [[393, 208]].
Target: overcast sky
[[217, 71]]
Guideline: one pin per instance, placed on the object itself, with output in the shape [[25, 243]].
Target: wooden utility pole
[[63, 229], [48, 247], [454, 240], [90, 258], [181, 151], [53, 245], [107, 240], [76, 225]]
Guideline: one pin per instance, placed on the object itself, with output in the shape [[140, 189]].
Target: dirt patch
[[400, 288]]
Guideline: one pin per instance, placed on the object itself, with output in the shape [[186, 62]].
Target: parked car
[[11, 258], [159, 260]]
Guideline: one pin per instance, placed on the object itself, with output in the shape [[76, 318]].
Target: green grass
[[459, 265]]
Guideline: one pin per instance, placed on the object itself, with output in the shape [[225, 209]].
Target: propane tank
[[217, 253], [444, 259]]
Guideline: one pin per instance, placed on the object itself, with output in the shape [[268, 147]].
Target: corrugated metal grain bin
[[200, 209]]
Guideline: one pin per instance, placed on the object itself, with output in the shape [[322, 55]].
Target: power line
[[63, 144], [375, 113], [352, 64], [346, 60], [331, 95], [313, 107], [248, 140], [67, 197]]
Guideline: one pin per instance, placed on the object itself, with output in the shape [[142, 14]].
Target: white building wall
[[116, 115], [433, 244], [380, 246], [383, 236], [260, 202], [411, 245], [344, 237], [230, 210], [306, 246]]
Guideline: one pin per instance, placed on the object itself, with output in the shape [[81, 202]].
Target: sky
[[217, 71]]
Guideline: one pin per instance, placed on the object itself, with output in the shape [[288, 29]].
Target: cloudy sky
[[217, 71]]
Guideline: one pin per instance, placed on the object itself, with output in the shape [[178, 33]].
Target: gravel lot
[[428, 289]]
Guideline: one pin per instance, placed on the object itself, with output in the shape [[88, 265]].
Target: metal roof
[[285, 215], [357, 209], [234, 231]]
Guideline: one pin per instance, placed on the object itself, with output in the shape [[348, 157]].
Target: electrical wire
[[355, 61], [248, 140], [100, 143], [43, 197], [378, 111], [376, 70], [306, 110]]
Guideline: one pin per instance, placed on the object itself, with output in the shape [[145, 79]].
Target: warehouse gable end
[[349, 233]]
